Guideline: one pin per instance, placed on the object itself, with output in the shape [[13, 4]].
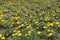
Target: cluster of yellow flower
[[2, 37], [27, 18]]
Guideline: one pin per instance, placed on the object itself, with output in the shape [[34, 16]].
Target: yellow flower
[[0, 35], [11, 25], [57, 22], [12, 17], [11, 22], [48, 13], [39, 32], [19, 34], [16, 18], [13, 34], [50, 24], [48, 30], [29, 34], [56, 16], [58, 25], [37, 27], [36, 22], [1, 15], [26, 24], [29, 26], [1, 11], [26, 35], [29, 31], [53, 11], [14, 30], [18, 27], [45, 27], [18, 22], [22, 24], [18, 11], [26, 14], [3, 20], [22, 7], [2, 38], [50, 35], [31, 16], [47, 18], [41, 18], [18, 31]]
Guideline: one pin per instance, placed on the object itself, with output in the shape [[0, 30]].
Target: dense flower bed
[[29, 19]]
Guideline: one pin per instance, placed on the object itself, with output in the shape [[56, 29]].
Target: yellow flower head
[[48, 30], [29, 34], [29, 31], [28, 27], [22, 25], [57, 22], [19, 34], [14, 30], [50, 35], [2, 38], [50, 24], [17, 22], [39, 32], [13, 34], [45, 27], [0, 35]]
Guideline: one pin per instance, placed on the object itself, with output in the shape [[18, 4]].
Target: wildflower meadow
[[29, 19]]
